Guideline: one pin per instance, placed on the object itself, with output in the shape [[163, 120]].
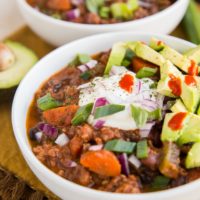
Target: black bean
[[32, 133]]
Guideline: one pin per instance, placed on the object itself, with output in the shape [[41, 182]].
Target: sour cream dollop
[[141, 94]]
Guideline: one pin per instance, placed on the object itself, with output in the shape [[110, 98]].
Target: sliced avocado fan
[[24, 60]]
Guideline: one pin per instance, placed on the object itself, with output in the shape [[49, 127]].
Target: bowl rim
[[56, 178], [114, 26]]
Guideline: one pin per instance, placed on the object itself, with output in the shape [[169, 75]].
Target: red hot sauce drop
[[176, 122], [127, 82], [175, 85]]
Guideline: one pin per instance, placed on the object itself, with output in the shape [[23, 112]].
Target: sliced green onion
[[155, 115], [146, 72], [86, 75], [121, 11], [47, 102], [126, 63], [94, 5], [104, 12], [139, 115], [133, 5], [120, 146], [160, 182], [80, 59], [108, 110], [142, 149], [82, 114], [129, 54]]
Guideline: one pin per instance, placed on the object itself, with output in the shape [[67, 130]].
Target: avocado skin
[[6, 95]]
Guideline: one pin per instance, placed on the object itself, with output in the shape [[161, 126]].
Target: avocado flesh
[[179, 107], [193, 158], [191, 131], [194, 54], [145, 52], [25, 59], [168, 134], [176, 58], [116, 56], [156, 44]]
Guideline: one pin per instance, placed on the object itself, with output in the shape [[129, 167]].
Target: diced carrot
[[61, 115], [59, 4], [102, 162], [138, 63]]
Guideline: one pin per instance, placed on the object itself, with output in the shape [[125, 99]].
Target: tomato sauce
[[190, 80], [175, 85], [193, 69], [127, 82], [176, 122]]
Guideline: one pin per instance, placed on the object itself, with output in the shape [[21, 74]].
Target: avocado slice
[[190, 96], [156, 44], [169, 134], [179, 107], [164, 89], [193, 158], [194, 54], [24, 60], [116, 56], [145, 52], [191, 131], [176, 58], [168, 68]]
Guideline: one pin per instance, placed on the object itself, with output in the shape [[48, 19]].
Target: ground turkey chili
[[99, 11], [103, 122]]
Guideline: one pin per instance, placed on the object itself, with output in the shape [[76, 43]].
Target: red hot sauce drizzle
[[127, 82], [190, 80], [176, 122], [175, 85], [193, 69]]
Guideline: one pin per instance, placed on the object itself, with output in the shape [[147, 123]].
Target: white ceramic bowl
[[58, 32], [47, 67]]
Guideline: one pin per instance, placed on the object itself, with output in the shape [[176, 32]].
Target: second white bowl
[[58, 32]]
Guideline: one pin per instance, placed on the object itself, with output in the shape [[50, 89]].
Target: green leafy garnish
[[142, 149], [146, 72], [94, 5], [139, 115], [108, 110], [120, 146], [155, 115], [160, 182], [82, 114], [47, 102], [126, 63]]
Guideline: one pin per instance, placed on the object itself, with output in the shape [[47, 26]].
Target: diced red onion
[[73, 164], [82, 68], [99, 124], [49, 130], [96, 147], [38, 136], [139, 86], [123, 159], [146, 129], [77, 2], [102, 101], [62, 139], [134, 161], [73, 14], [91, 64], [144, 4]]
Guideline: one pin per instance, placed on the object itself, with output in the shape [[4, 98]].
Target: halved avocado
[[11, 76]]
